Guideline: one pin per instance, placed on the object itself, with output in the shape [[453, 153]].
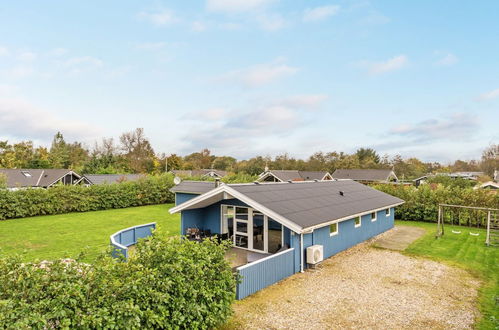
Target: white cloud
[[447, 60], [261, 74], [27, 56], [392, 64], [19, 72], [3, 51], [83, 63], [20, 119], [151, 45], [198, 26], [489, 95], [57, 52], [7, 89], [230, 26], [456, 127], [305, 100], [236, 6], [241, 131], [159, 18], [320, 13], [271, 22]]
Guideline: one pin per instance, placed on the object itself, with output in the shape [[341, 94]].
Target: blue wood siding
[[261, 274], [183, 197], [348, 235]]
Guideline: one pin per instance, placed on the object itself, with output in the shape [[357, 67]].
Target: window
[[227, 220], [373, 216], [333, 229], [358, 222], [387, 212], [242, 213]]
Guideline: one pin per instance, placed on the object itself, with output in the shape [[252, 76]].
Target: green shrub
[[168, 283], [421, 204], [64, 199]]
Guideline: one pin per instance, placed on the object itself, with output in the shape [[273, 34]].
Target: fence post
[[487, 241]]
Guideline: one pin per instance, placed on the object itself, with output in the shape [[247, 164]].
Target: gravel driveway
[[365, 287]]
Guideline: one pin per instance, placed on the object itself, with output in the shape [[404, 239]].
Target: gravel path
[[365, 287]]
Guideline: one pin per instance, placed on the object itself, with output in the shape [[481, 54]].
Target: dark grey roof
[[203, 172], [111, 178], [194, 187], [295, 175], [33, 177], [312, 203], [363, 174]]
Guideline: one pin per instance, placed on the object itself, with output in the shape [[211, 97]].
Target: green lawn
[[469, 252], [65, 235]]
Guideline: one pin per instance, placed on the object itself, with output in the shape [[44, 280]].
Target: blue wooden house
[[278, 229]]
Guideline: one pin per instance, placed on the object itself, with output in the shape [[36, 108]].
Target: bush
[[168, 283], [64, 199], [421, 204]]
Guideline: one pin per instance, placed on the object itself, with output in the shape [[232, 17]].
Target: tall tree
[[490, 159], [137, 151], [59, 153]]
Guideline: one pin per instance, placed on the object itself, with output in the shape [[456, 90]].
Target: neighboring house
[[38, 178], [455, 175], [488, 185], [366, 175], [200, 173], [278, 229], [293, 175], [91, 179], [186, 190]]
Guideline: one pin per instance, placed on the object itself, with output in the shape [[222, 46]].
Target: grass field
[[66, 235], [469, 252]]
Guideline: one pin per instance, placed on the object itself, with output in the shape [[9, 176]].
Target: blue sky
[[250, 77]]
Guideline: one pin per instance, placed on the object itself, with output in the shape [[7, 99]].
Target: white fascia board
[[324, 224], [197, 199]]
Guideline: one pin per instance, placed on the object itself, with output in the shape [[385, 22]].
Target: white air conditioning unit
[[315, 254]]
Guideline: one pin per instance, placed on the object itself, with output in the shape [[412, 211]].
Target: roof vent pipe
[[217, 182], [256, 182], [290, 181], [341, 193]]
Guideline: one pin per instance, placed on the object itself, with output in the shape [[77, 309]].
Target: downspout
[[302, 253]]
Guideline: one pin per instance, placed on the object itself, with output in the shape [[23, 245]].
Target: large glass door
[[241, 227], [259, 232]]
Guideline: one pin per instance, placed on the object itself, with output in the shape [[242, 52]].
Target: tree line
[[133, 153]]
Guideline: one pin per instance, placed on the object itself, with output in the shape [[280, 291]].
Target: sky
[[255, 77]]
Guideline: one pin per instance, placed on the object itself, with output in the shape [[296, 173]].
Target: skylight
[[26, 174]]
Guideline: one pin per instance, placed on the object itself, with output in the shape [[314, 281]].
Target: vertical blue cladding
[[348, 235], [183, 197], [261, 274]]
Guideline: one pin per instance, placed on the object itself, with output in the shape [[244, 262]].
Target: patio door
[[242, 227]]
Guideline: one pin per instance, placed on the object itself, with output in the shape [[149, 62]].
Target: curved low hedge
[[169, 283], [64, 199]]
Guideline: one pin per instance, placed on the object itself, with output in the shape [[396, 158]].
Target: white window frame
[[360, 221], [375, 216], [334, 233], [249, 234], [388, 212]]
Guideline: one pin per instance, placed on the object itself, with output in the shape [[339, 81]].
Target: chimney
[[217, 182]]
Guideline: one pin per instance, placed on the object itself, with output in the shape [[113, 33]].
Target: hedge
[[64, 199], [421, 204], [169, 283]]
